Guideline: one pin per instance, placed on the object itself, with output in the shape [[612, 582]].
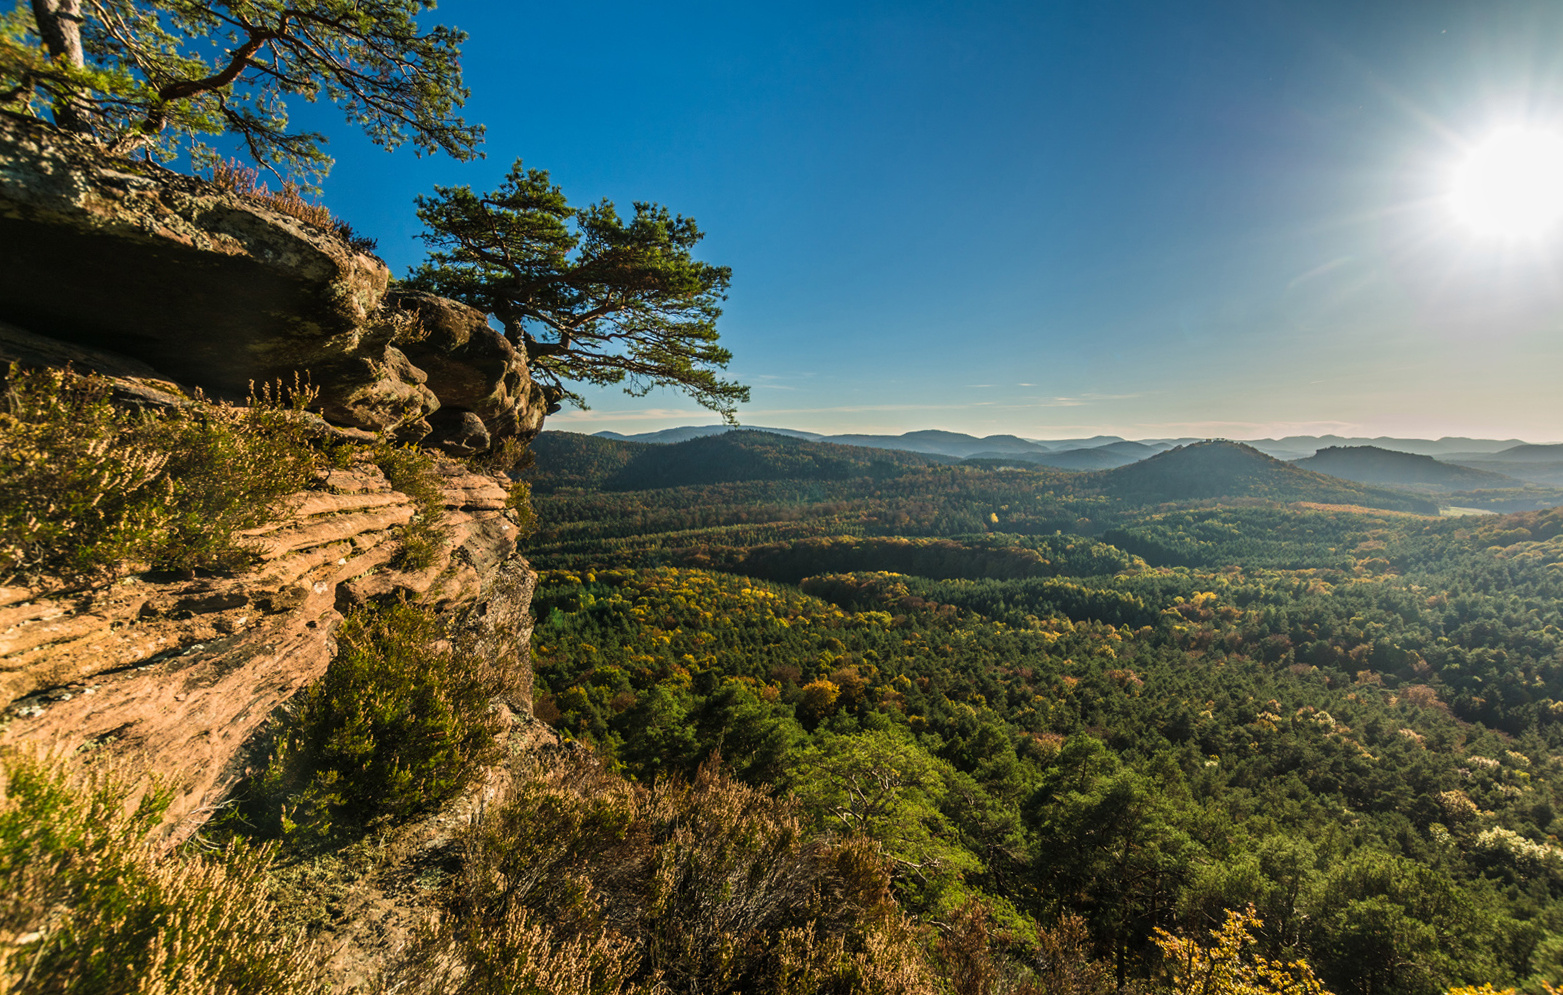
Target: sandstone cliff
[[218, 290], [168, 284]]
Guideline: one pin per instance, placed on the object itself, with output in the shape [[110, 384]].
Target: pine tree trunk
[[59, 25]]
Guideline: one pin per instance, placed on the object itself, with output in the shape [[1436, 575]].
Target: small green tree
[[591, 297], [157, 75], [883, 786]]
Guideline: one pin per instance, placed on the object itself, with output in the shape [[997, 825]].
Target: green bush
[[411, 470], [400, 721], [86, 485], [87, 905]]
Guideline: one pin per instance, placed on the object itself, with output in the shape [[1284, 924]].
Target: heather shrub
[[89, 905], [400, 721], [86, 485], [411, 470], [709, 885], [245, 181]]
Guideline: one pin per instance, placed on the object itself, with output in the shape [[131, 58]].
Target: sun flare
[[1511, 185]]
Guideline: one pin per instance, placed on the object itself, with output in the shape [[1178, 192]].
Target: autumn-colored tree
[[1226, 965]]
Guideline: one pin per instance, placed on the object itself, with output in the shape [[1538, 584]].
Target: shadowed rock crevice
[[218, 290]]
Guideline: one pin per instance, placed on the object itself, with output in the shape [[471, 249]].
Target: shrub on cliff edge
[[685, 887], [86, 485], [401, 721], [89, 905]]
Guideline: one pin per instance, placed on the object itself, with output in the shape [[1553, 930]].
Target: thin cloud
[[1318, 271], [1062, 401]]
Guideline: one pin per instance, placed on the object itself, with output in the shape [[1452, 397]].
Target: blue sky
[[1048, 219]]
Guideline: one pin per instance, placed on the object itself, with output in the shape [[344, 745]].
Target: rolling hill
[[1107, 457], [1300, 446], [1529, 463], [1222, 469], [1101, 458], [684, 433], [1372, 465], [1528, 453], [956, 445], [566, 459]]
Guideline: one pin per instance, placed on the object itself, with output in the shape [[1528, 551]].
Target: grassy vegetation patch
[[401, 721], [412, 471], [88, 905], [86, 485]]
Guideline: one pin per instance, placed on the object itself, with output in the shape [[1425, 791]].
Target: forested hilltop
[[1081, 709]]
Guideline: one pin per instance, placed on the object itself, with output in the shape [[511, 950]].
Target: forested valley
[[1097, 715]]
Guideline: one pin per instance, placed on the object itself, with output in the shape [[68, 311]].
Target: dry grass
[[88, 903], [246, 182], [684, 887]]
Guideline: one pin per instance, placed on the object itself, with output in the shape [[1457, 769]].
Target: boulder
[[472, 369], [220, 290]]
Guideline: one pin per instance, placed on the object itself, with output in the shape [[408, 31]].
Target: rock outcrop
[[169, 284], [173, 677], [219, 290]]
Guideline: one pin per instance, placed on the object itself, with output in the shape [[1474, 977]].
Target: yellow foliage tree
[[819, 699], [1227, 966]]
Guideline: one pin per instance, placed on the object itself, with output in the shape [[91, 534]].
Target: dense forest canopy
[[1110, 702]]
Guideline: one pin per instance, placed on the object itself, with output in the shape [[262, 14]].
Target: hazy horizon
[[561, 423]]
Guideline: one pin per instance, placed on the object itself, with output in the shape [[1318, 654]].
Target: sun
[[1511, 185]]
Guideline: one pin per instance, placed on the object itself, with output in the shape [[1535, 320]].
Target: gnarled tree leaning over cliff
[[159, 75], [592, 298]]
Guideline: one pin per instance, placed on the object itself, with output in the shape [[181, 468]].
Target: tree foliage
[[166, 75], [1227, 966], [592, 297], [1351, 720]]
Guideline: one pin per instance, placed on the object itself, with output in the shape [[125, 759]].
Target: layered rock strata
[[170, 678], [173, 286]]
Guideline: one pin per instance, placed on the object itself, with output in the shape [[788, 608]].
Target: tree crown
[[163, 75], [592, 297]]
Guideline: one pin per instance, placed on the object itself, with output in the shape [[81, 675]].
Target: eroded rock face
[[217, 290], [166, 283], [482, 381], [173, 677]]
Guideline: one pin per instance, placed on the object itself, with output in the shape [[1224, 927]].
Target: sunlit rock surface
[[220, 291]]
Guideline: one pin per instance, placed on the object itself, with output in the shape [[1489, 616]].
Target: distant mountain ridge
[[1199, 471], [566, 459], [1372, 465], [1050, 452], [1221, 469], [684, 434]]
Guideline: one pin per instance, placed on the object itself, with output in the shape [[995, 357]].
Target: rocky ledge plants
[[400, 722], [582, 882], [87, 485], [89, 903]]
